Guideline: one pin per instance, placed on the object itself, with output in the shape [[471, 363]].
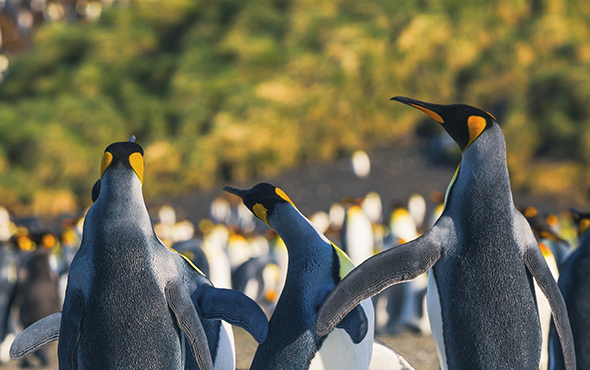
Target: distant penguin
[[417, 209], [360, 164], [192, 250], [544, 308], [8, 276], [132, 302], [357, 240], [36, 294], [373, 207], [544, 232], [574, 282], [483, 256], [413, 314], [214, 245], [315, 266]]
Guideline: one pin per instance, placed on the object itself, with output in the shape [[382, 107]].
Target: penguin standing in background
[[316, 266], [574, 282], [357, 237], [483, 255], [132, 302], [36, 295]]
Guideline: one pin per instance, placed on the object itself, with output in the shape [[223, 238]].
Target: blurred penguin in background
[[36, 295]]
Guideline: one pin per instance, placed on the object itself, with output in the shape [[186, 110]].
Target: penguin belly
[[338, 352]]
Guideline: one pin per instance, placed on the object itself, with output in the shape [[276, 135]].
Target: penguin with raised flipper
[[574, 282], [131, 301], [483, 255], [316, 266]]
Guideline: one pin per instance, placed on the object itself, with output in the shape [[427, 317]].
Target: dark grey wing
[[69, 335], [180, 303], [402, 263], [36, 336], [234, 308], [534, 261]]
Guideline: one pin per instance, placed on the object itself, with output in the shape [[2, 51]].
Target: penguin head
[[262, 199], [125, 156], [463, 122]]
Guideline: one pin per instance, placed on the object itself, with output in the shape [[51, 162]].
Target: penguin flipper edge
[[535, 263], [398, 264], [36, 336], [188, 320], [234, 308]]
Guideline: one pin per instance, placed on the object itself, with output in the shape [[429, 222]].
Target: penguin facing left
[[131, 301], [315, 267], [483, 255]]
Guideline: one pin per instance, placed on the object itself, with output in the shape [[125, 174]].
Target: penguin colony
[[117, 291]]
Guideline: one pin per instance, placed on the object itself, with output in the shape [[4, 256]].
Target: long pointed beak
[[427, 108], [235, 191]]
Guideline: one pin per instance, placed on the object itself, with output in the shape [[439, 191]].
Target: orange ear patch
[[475, 125], [284, 196], [136, 161], [107, 158], [430, 113]]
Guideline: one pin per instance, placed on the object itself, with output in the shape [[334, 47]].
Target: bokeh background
[[222, 91], [233, 92]]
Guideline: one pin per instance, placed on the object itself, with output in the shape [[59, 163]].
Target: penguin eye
[[136, 161], [284, 196], [107, 158], [475, 125]]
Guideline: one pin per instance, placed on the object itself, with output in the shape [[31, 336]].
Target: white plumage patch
[[338, 352], [435, 317]]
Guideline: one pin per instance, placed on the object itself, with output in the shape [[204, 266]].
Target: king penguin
[[315, 267], [574, 282], [131, 301], [483, 257]]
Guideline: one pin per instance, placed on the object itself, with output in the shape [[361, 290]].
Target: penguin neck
[[300, 236], [121, 200], [483, 167]]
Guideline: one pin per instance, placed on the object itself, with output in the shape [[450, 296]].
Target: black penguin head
[[463, 122], [262, 199], [129, 154]]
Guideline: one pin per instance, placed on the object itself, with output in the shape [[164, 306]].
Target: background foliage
[[230, 89]]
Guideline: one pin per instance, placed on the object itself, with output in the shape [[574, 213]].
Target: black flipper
[[534, 261], [355, 324], [36, 336], [67, 349], [396, 265], [234, 308], [188, 320]]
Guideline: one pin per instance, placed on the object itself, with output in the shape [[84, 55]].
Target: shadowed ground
[[418, 350]]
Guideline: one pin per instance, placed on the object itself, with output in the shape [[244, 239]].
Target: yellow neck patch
[[284, 196], [430, 113], [475, 125], [107, 158], [346, 264], [136, 161], [260, 212]]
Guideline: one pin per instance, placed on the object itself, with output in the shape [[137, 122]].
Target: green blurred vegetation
[[230, 89]]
